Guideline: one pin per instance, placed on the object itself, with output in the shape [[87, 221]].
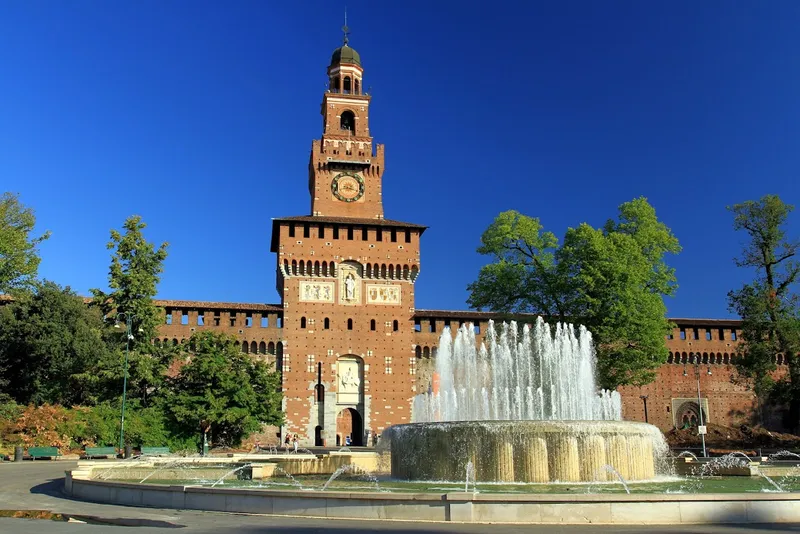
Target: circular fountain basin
[[526, 451]]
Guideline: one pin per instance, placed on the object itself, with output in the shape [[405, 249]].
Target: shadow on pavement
[[52, 488]]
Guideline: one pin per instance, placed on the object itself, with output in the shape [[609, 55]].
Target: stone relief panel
[[380, 294], [348, 380], [349, 283], [316, 291]]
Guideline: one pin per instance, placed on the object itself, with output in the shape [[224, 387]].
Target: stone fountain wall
[[527, 451]]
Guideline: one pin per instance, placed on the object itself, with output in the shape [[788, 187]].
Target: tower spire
[[345, 28]]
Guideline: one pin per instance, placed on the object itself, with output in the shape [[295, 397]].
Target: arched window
[[335, 85], [326, 324], [418, 352], [372, 324], [348, 121], [347, 88], [262, 348], [253, 347], [357, 86], [302, 322], [349, 324], [426, 352], [245, 347], [271, 348], [395, 325]]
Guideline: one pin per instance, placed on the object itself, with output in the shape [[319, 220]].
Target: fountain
[[524, 407]]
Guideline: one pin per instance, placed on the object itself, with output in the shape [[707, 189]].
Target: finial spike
[[345, 29]]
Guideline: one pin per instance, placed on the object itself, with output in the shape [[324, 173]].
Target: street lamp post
[[128, 336], [694, 359]]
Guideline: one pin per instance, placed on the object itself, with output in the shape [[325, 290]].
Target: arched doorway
[[349, 424], [318, 437]]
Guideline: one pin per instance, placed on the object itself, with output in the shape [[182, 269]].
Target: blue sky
[[199, 117]]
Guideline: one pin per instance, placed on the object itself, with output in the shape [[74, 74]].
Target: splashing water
[[783, 454], [358, 470], [688, 453], [774, 484], [611, 469], [288, 475], [743, 455], [175, 464], [229, 473], [538, 374], [301, 450], [470, 474]]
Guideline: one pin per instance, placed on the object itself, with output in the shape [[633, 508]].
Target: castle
[[350, 345]]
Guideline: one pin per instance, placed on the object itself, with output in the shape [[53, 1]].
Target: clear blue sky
[[199, 116]]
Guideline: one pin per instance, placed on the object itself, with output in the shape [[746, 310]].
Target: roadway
[[38, 486]]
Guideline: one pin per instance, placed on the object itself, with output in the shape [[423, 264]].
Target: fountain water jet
[[524, 407]]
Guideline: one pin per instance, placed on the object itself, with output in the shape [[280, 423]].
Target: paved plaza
[[38, 485]]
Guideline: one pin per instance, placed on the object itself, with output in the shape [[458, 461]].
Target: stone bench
[[155, 451], [43, 452], [95, 452]]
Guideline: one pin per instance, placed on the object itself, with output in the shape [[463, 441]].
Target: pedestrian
[[258, 446], [286, 443], [294, 442]]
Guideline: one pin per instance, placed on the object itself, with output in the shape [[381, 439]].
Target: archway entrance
[[318, 442], [349, 425]]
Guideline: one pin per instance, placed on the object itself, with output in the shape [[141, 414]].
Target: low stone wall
[[463, 507]]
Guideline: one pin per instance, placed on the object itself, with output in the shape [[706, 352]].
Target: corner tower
[[346, 278], [346, 168]]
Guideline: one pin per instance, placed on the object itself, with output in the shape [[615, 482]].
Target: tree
[[136, 266], [48, 341], [19, 256], [223, 393], [611, 279], [768, 306]]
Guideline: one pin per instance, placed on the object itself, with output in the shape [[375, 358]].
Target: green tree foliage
[[611, 279], [136, 266], [19, 257], [222, 393], [48, 340], [768, 305]]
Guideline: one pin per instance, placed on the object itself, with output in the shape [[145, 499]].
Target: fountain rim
[[539, 424]]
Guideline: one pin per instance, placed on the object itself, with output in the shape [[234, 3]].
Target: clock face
[[348, 187]]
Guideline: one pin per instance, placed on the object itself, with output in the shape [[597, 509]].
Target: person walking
[[294, 442]]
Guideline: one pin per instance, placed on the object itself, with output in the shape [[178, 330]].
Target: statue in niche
[[350, 287]]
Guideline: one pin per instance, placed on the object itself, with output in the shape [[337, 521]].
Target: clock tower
[[346, 278], [345, 172]]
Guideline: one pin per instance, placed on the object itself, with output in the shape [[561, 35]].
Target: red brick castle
[[346, 337]]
